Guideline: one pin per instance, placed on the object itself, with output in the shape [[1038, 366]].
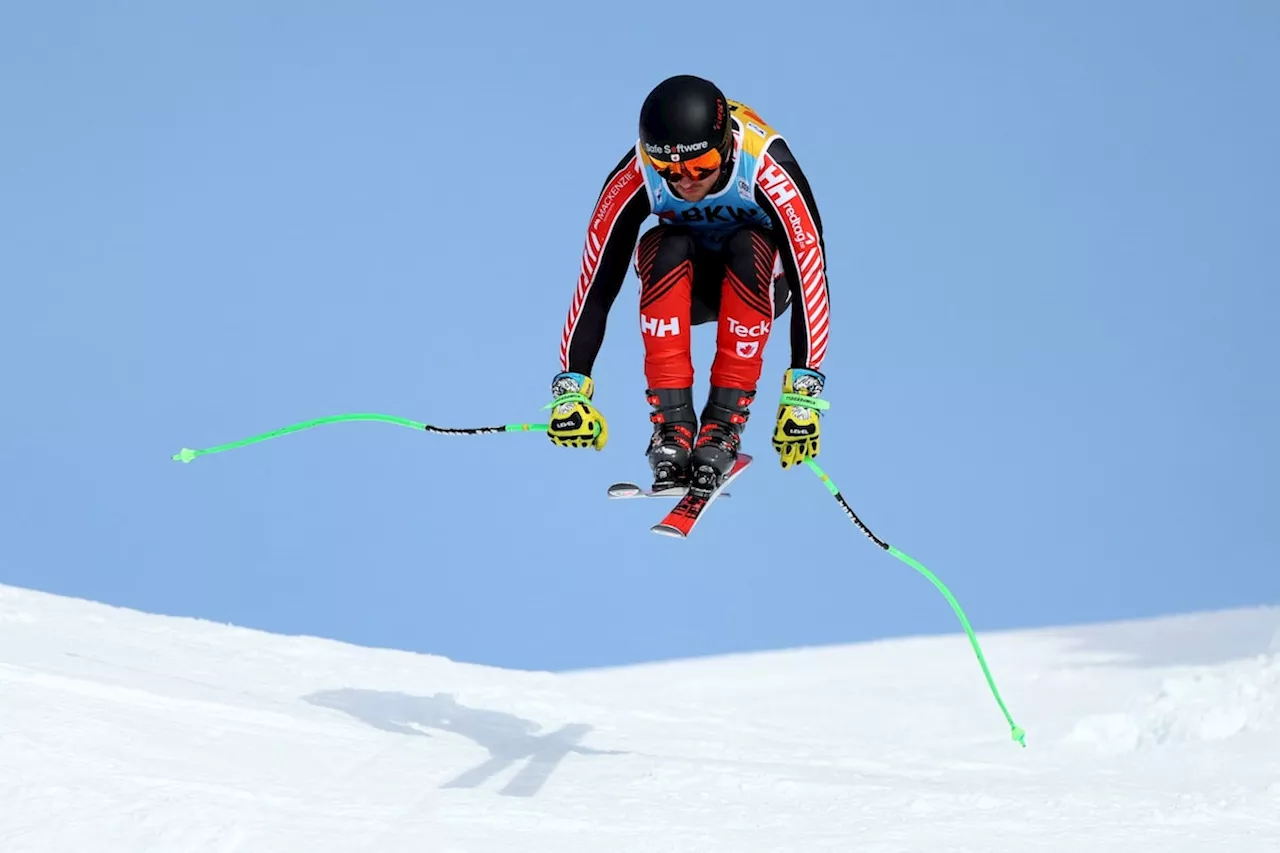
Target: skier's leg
[[708, 280], [746, 309], [747, 312], [664, 264]]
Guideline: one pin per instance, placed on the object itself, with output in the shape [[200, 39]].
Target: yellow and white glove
[[799, 429], [575, 422]]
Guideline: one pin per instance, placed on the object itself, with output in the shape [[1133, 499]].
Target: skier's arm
[[783, 191], [612, 231]]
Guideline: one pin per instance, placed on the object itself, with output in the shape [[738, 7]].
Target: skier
[[738, 240]]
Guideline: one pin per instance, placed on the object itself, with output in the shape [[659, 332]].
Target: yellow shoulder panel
[[756, 132]]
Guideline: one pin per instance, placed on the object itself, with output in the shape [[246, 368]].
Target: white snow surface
[[124, 731]]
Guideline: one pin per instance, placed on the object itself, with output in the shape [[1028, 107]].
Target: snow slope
[[122, 731]]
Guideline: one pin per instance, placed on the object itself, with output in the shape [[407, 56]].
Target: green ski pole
[[1018, 733], [187, 454]]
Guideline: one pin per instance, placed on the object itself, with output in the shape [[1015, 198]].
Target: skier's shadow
[[508, 738]]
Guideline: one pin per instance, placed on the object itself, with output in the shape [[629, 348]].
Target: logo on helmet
[[673, 152]]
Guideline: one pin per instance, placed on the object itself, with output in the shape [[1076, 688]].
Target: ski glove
[[574, 421], [798, 430]]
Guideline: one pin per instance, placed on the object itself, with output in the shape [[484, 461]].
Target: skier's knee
[[744, 240], [671, 245]]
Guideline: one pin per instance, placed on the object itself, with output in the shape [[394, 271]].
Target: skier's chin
[[695, 192]]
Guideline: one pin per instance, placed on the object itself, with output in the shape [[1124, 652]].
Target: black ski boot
[[723, 420], [674, 424]]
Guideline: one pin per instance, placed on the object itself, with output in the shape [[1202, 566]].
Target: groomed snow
[[123, 731]]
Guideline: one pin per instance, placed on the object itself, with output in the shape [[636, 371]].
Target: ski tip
[[667, 530], [625, 490]]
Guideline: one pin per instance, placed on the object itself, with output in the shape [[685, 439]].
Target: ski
[[679, 523], [634, 490]]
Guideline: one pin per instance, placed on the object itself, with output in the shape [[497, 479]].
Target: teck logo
[[744, 331]]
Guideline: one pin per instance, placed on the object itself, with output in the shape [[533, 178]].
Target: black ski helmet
[[683, 117]]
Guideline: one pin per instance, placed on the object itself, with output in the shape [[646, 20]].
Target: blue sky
[[1051, 237]]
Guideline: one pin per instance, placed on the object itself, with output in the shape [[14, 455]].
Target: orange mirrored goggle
[[698, 168]]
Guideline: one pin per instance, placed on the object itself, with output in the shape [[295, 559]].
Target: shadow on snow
[[508, 739]]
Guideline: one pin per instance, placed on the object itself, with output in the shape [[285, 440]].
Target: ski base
[[679, 523]]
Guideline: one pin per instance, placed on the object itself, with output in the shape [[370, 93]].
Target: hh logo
[[777, 184], [747, 349], [660, 328], [782, 190]]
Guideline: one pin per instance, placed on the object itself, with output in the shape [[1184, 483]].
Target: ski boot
[[674, 423], [723, 420]]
